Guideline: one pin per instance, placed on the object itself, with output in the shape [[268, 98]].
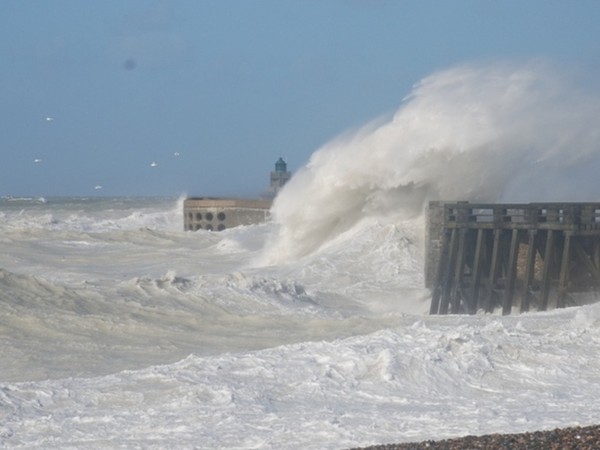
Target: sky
[[200, 98]]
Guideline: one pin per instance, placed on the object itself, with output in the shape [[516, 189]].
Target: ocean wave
[[477, 132], [18, 290], [94, 215]]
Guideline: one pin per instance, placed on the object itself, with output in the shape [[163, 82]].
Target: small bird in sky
[[49, 119], [98, 187], [153, 164], [176, 154], [37, 160]]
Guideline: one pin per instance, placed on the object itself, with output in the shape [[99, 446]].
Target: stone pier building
[[217, 214]]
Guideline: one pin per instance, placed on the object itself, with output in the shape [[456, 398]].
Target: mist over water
[[478, 132]]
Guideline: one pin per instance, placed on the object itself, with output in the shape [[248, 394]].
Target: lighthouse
[[280, 176]]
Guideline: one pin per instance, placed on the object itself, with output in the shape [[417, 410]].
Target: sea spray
[[478, 132]]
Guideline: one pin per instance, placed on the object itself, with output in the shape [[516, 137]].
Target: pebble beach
[[573, 438]]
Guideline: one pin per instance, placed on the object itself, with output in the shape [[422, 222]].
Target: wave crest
[[479, 132]]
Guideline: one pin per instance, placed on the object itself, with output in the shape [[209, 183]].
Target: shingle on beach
[[573, 438]]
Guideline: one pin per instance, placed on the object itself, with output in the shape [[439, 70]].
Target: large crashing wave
[[478, 132]]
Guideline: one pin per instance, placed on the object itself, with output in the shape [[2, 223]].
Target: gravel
[[580, 438]]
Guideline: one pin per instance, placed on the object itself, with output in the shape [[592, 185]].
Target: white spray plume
[[478, 132]]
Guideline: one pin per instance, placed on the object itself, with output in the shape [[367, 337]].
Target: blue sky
[[230, 86]]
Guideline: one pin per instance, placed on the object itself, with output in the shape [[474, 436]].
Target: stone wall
[[217, 214]]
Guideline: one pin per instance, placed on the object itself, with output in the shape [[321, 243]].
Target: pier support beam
[[493, 255], [529, 270], [564, 272], [546, 270], [456, 293], [449, 270], [472, 308], [511, 272], [488, 305]]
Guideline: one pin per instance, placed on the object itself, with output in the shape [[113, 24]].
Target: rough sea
[[120, 330]]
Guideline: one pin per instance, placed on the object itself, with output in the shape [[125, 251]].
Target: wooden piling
[[529, 268], [564, 271], [456, 292], [450, 264], [482, 264], [488, 305], [511, 272], [472, 307], [546, 270], [437, 289]]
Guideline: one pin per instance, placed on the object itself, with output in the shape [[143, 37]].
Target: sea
[[118, 329]]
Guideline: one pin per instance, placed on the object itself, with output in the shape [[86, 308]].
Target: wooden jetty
[[483, 257]]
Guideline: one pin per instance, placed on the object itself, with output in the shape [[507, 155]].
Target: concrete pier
[[217, 214], [513, 257]]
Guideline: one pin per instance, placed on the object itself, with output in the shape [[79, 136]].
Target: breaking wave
[[478, 132]]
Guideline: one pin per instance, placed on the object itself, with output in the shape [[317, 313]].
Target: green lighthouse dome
[[280, 165]]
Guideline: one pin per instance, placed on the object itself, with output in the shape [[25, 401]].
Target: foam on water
[[421, 379], [81, 214]]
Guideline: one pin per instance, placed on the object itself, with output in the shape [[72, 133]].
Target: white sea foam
[[421, 379], [81, 214]]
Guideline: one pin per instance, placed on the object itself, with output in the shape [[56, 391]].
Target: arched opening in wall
[[191, 216], [209, 227], [198, 227], [221, 216], [208, 216], [221, 227], [198, 216]]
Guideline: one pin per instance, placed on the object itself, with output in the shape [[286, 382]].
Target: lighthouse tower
[[280, 176]]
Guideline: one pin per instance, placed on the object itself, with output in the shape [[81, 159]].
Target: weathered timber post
[[437, 283], [472, 308], [564, 271], [480, 265], [488, 305], [529, 268], [511, 272], [447, 277], [456, 293], [435, 232], [546, 269]]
